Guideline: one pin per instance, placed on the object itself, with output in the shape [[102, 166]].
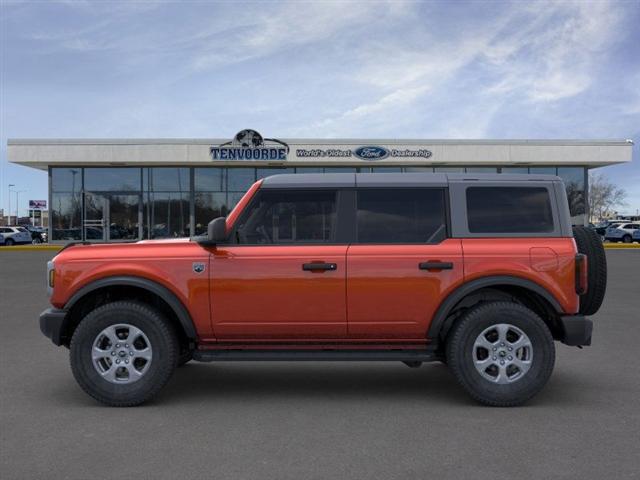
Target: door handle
[[310, 267], [435, 265]]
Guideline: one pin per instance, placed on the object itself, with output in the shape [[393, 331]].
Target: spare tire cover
[[589, 243]]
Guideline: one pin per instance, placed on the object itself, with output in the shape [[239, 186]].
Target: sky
[[374, 69]]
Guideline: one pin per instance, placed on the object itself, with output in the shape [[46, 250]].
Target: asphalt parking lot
[[318, 420]]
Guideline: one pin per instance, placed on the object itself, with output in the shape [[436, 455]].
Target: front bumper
[[575, 330], [52, 323]]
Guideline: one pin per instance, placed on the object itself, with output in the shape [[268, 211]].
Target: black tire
[[589, 244], [184, 358], [161, 337], [460, 351], [626, 239], [36, 241], [9, 242]]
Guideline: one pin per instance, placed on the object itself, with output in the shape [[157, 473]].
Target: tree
[[604, 196]]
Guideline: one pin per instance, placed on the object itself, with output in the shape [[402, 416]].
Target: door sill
[[408, 355]]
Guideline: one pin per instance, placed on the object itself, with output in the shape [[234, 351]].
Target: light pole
[[9, 212], [18, 192]]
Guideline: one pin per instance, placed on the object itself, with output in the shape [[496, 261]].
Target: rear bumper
[[575, 330], [52, 322]]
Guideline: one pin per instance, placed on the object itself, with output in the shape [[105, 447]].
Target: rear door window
[[401, 215], [509, 210]]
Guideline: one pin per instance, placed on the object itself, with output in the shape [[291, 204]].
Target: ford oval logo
[[371, 153]]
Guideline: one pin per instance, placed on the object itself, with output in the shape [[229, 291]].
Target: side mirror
[[217, 230]]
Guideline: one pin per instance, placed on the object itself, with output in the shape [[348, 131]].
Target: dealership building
[[131, 189]]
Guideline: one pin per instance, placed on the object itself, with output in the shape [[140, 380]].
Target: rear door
[[402, 263], [285, 276]]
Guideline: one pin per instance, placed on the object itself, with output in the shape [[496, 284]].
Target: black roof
[[409, 179]]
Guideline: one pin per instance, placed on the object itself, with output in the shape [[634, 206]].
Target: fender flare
[[445, 308], [163, 292]]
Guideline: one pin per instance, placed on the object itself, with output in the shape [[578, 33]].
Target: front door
[[284, 276], [112, 217], [402, 263]]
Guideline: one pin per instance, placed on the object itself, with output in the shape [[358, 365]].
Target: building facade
[[123, 190]]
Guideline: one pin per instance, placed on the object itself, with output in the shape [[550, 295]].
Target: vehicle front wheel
[[501, 353], [123, 353], [36, 241], [9, 242]]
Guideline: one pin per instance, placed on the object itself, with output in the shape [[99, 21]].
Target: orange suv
[[482, 272]]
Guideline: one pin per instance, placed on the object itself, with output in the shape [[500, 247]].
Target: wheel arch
[[506, 285], [129, 287]]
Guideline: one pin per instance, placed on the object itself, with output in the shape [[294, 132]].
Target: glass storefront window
[[111, 179], [240, 179], [449, 169], [66, 216], [309, 169], [418, 169], [573, 178], [481, 170], [66, 179], [207, 206], [543, 170], [340, 169], [514, 170], [210, 179], [267, 172], [166, 179], [383, 169], [167, 215]]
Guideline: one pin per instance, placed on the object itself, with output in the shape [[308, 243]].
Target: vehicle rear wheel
[[36, 241], [626, 239], [501, 353], [123, 353], [588, 243]]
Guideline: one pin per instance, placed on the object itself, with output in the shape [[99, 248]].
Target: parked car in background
[[601, 228], [38, 234], [15, 235], [636, 235], [622, 232]]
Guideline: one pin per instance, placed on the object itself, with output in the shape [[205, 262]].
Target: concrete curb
[[621, 246]]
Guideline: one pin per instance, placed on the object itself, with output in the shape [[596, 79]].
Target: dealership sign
[[250, 145], [38, 204]]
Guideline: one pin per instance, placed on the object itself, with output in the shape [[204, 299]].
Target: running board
[[315, 355]]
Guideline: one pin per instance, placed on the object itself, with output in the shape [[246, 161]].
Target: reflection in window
[[481, 169], [543, 170], [390, 215], [449, 169], [210, 179], [240, 179], [66, 179], [166, 179], [65, 216], [573, 178], [267, 172], [509, 210], [514, 170], [167, 215], [208, 205], [289, 217], [111, 179]]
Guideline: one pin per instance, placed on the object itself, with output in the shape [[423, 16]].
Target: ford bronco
[[481, 272]]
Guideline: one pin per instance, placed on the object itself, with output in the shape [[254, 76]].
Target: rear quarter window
[[509, 210]]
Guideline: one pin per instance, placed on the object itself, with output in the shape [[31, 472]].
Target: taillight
[[582, 282]]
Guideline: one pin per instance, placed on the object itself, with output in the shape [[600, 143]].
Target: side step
[[315, 355]]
